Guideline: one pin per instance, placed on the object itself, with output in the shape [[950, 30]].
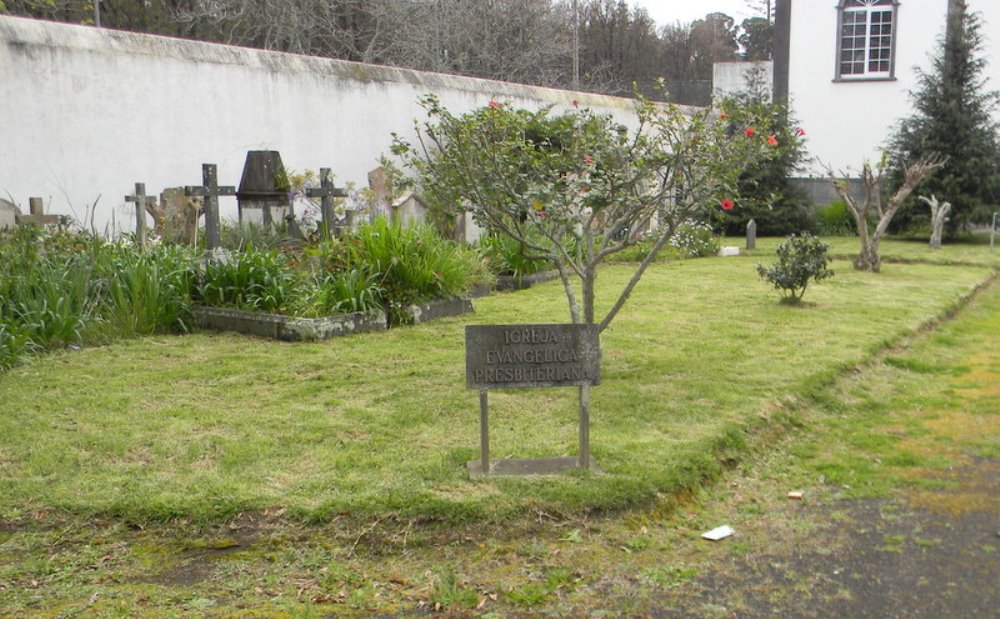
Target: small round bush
[[800, 259]]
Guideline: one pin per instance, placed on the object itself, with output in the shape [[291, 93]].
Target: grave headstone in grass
[[210, 191], [8, 214], [326, 192], [262, 197], [37, 215], [751, 234], [142, 204]]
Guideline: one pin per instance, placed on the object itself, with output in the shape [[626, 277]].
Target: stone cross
[[37, 208], [751, 234], [326, 192], [141, 202], [210, 191]]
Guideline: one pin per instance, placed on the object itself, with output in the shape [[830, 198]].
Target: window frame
[[845, 7]]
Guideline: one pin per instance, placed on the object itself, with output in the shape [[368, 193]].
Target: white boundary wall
[[85, 113]]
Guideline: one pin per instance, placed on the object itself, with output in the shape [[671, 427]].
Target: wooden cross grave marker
[[326, 192], [210, 191], [37, 216], [141, 202]]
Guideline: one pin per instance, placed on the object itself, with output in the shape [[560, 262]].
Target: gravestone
[[262, 197], [751, 234], [409, 210], [382, 193], [210, 191], [37, 215], [8, 214], [466, 228], [175, 218], [142, 204], [546, 355], [326, 192]]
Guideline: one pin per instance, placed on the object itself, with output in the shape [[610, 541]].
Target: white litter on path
[[718, 533]]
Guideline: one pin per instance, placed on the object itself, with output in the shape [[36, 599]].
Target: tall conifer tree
[[952, 117]]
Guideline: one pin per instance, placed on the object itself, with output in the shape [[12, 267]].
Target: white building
[[847, 68]]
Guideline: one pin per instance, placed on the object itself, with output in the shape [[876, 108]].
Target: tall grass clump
[[145, 292], [409, 264], [257, 280], [504, 255]]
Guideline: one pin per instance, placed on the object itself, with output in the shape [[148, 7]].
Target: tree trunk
[[939, 215]]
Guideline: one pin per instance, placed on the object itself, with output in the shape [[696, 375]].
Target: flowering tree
[[577, 187]]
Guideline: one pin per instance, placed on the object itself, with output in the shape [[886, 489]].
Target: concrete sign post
[[545, 355]]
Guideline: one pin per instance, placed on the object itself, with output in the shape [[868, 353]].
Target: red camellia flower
[[727, 204], [723, 116], [495, 105], [773, 141], [588, 160], [800, 132], [749, 132]]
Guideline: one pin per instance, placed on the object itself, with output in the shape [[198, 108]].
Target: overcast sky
[[666, 12]]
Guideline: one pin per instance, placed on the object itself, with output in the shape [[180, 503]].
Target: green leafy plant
[[251, 280], [504, 255], [801, 259], [835, 220], [412, 264]]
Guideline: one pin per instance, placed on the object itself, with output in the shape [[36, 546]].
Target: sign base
[[531, 466]]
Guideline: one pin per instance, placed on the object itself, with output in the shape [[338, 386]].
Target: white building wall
[[849, 121], [85, 113]]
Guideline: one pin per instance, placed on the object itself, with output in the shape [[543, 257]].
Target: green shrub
[[800, 259], [835, 220]]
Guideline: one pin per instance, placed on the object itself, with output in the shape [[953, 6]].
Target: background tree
[[756, 38], [952, 117]]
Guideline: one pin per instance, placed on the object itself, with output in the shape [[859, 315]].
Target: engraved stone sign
[[556, 355], [546, 355]]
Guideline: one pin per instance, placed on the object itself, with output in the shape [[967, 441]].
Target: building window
[[866, 40]]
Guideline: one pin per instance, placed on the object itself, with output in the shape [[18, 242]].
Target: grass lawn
[[701, 362]]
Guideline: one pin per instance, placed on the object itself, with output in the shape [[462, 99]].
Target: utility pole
[[576, 44], [97, 13]]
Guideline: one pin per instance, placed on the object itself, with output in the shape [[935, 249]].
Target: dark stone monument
[[546, 355], [326, 192], [210, 191], [751, 234], [142, 202], [264, 186]]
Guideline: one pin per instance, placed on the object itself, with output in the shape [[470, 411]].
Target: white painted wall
[[85, 113], [848, 122], [731, 77]]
